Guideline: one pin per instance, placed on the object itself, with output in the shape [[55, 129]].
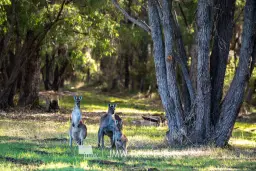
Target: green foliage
[[3, 14]]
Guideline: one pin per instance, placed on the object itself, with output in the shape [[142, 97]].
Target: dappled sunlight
[[34, 130], [94, 102], [141, 141], [242, 143], [166, 153], [41, 143], [67, 166], [213, 168], [54, 165]]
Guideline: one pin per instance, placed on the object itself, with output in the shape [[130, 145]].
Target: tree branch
[[139, 23]]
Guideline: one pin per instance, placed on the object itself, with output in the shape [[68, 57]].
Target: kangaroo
[[120, 139], [78, 130], [108, 125]]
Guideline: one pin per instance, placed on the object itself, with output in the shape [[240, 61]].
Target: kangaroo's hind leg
[[100, 135], [70, 137]]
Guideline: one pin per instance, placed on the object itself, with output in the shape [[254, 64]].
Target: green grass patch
[[23, 148], [94, 101], [36, 144]]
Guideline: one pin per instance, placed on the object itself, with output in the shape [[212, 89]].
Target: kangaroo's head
[[118, 122], [121, 143], [111, 108], [77, 101]]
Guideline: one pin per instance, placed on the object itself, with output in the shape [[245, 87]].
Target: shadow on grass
[[21, 161], [7, 138]]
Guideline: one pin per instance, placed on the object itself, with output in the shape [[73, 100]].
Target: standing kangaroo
[[78, 130], [108, 125]]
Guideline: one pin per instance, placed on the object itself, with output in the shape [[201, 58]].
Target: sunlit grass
[[146, 149], [43, 145], [97, 102]]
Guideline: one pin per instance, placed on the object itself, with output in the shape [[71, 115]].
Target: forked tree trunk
[[161, 29], [234, 98]]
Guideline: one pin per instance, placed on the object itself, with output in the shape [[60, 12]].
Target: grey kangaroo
[[108, 125], [120, 139], [78, 130]]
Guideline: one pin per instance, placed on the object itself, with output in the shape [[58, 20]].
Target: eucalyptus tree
[[83, 37], [211, 115], [53, 36], [25, 24]]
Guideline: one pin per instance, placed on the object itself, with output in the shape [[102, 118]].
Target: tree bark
[[219, 57], [172, 84], [161, 74], [234, 98], [204, 24]]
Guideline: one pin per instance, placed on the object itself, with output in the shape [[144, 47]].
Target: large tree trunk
[[234, 98], [30, 82], [219, 57], [172, 84], [161, 75], [204, 23]]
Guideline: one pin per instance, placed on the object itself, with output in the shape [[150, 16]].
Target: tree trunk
[[219, 57], [59, 72], [193, 65], [55, 83], [88, 77], [30, 82], [126, 72], [250, 92], [204, 23], [234, 98], [161, 74], [172, 84], [47, 73]]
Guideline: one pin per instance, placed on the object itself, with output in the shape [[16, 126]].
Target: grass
[[35, 143], [94, 101]]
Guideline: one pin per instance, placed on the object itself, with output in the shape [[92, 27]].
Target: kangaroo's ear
[[115, 105], [80, 98], [75, 98], [109, 105]]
